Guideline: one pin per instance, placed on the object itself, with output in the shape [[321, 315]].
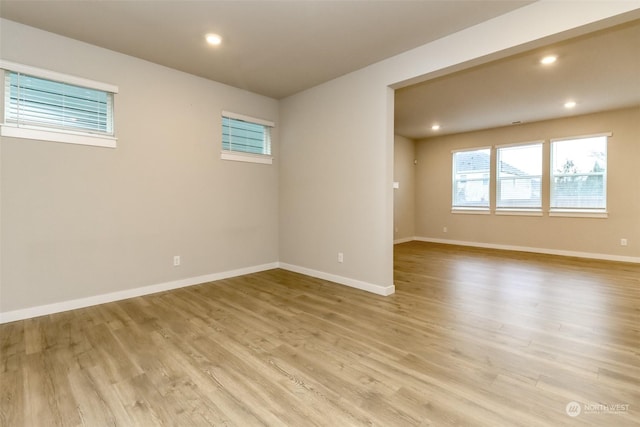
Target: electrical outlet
[[623, 242], [176, 260], [445, 229], [340, 257]]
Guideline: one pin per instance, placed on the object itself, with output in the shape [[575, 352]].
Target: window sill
[[67, 137], [472, 211], [519, 212], [577, 213], [246, 157]]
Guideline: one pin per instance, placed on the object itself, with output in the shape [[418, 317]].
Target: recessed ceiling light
[[569, 104], [550, 59], [214, 39], [435, 127]]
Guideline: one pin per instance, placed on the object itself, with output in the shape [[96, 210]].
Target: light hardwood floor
[[471, 338]]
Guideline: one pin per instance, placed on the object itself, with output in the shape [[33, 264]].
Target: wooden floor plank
[[96, 404], [12, 399], [471, 337]]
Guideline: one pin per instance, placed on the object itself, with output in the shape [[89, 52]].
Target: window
[[245, 138], [471, 176], [579, 174], [45, 105], [519, 177]]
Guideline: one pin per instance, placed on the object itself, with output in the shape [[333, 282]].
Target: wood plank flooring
[[472, 337]]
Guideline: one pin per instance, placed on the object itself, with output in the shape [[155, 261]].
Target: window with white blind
[[471, 179], [246, 138], [519, 177], [579, 175], [45, 105]]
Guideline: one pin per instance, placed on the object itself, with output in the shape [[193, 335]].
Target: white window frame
[[519, 211], [579, 212], [44, 133], [480, 210], [240, 156]]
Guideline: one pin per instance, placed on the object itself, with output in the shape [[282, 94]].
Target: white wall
[[404, 197], [333, 175], [337, 139], [592, 237], [81, 221]]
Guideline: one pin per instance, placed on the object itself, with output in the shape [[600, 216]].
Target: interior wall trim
[[358, 284], [560, 252], [59, 307]]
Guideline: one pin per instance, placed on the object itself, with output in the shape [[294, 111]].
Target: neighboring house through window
[[519, 177], [471, 179]]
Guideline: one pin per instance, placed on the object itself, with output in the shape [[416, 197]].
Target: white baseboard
[[358, 284], [403, 240], [42, 310], [589, 255]]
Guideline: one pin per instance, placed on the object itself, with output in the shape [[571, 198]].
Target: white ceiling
[[274, 48], [278, 48], [600, 71]]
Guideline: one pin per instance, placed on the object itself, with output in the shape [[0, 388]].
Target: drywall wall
[[332, 181], [77, 222], [336, 172], [404, 196], [80, 221], [588, 235]]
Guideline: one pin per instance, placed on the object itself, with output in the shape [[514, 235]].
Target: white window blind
[[42, 103], [245, 134], [579, 173], [519, 176], [471, 178]]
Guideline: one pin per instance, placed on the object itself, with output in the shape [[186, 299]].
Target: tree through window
[[579, 173]]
